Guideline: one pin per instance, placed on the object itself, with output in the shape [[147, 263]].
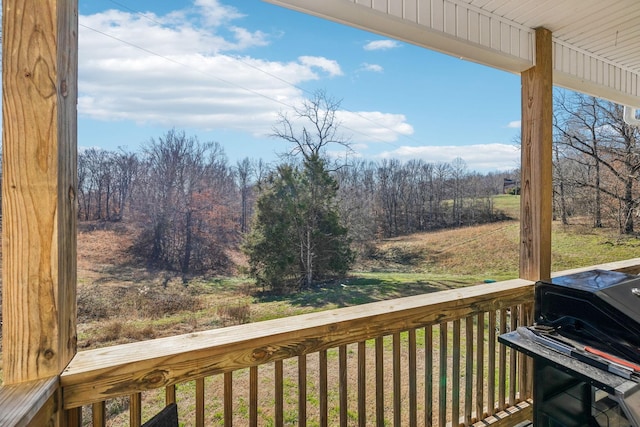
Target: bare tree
[[183, 204], [312, 127], [596, 138], [578, 120], [244, 170], [309, 194]]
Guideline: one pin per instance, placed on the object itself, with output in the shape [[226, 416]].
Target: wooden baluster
[[379, 382], [468, 374], [513, 360], [279, 394], [522, 368], [170, 394], [442, 395], [98, 411], [428, 376], [362, 384], [253, 396], [73, 417], [480, 414], [135, 410], [342, 367], [502, 363], [228, 399], [413, 379], [491, 365], [302, 390], [324, 405], [529, 360], [455, 375], [397, 380], [200, 402]]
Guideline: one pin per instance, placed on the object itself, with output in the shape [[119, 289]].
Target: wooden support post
[[536, 191], [39, 80]]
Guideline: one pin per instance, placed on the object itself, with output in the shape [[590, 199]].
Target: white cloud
[[328, 65], [478, 157], [216, 14], [381, 45], [515, 124], [170, 71], [374, 126], [375, 68]]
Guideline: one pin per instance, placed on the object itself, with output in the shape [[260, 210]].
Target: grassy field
[[119, 301], [153, 304]]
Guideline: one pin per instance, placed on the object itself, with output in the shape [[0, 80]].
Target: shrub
[[235, 314]]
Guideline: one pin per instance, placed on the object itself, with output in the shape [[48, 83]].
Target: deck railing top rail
[[96, 375]]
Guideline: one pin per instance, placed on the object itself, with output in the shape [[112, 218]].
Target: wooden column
[[39, 79], [536, 191]]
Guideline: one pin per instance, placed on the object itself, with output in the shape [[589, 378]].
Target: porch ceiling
[[596, 44]]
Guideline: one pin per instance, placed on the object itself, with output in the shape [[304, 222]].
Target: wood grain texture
[[32, 403], [362, 384], [397, 380], [502, 363], [480, 413], [200, 400], [342, 385], [72, 418], [511, 416], [253, 396], [170, 394], [302, 390], [536, 166], [98, 414], [455, 374], [228, 401], [106, 372], [379, 374], [468, 375], [413, 379], [428, 376], [513, 359], [98, 374], [135, 410], [491, 365], [442, 384], [324, 387], [39, 80], [279, 393]]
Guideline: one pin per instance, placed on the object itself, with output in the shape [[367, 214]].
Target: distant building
[[511, 186]]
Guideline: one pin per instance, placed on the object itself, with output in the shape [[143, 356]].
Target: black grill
[[586, 350], [597, 308]]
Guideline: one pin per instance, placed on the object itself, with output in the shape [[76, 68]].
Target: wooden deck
[[412, 342], [401, 361], [428, 359]]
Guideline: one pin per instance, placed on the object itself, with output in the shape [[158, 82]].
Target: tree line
[[192, 206], [596, 162]]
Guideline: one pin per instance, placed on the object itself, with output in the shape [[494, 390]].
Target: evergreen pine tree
[[297, 237]]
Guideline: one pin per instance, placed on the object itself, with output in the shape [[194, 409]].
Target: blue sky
[[223, 70]]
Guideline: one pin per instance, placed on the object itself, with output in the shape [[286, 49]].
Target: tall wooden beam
[[535, 202], [39, 80]]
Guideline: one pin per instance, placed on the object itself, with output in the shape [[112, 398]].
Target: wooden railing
[[425, 360], [33, 403]]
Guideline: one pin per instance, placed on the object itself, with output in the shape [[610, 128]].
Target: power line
[[166, 58], [245, 63]]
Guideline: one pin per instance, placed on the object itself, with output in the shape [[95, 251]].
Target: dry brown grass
[[489, 248]]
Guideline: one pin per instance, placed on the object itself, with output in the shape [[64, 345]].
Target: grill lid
[[598, 308]]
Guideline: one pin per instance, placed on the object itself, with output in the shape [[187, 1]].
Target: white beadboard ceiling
[[596, 43]]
